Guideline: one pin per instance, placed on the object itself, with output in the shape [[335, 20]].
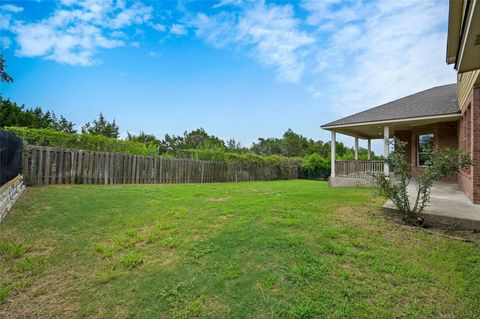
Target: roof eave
[[420, 118], [469, 50], [454, 30]]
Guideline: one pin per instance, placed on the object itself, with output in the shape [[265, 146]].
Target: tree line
[[315, 153], [291, 144]]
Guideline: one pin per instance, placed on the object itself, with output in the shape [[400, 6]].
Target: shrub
[[315, 166], [47, 137], [442, 162]]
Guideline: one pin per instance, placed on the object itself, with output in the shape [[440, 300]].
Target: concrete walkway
[[448, 206]]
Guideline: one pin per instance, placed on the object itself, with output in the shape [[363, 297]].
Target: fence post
[[64, 166]]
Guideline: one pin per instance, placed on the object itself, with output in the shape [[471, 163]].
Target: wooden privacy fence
[[358, 169], [47, 165]]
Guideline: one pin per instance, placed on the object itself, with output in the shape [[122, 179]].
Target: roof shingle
[[440, 100]]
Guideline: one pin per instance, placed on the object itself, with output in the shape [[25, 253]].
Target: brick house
[[443, 116]]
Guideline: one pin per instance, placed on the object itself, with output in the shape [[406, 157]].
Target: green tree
[[267, 146], [142, 138], [199, 138], [12, 114], [101, 127], [171, 144], [145, 138], [4, 76], [315, 166], [63, 125], [294, 144], [235, 147]]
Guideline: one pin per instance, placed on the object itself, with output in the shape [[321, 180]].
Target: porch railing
[[357, 168]]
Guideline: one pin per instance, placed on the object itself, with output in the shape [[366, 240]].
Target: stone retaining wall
[[9, 193], [351, 182]]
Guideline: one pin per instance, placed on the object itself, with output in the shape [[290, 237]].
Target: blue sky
[[239, 69]]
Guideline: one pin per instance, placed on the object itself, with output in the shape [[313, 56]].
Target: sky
[[239, 69]]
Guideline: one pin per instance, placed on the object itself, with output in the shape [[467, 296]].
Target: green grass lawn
[[288, 249]]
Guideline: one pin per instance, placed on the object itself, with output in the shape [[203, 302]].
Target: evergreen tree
[[12, 114], [4, 77], [101, 127]]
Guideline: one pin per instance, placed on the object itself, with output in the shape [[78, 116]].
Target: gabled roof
[[440, 100]]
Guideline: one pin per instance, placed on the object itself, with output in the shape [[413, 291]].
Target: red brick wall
[[469, 141], [406, 136], [445, 135]]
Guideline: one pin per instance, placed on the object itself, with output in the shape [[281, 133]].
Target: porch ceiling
[[374, 130]]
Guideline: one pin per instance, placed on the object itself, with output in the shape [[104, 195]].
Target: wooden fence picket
[[47, 165]]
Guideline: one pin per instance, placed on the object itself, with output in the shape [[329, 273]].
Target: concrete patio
[[448, 206]]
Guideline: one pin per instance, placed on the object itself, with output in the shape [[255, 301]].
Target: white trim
[[369, 149], [455, 18], [333, 145], [356, 148], [410, 119], [465, 33], [417, 146], [386, 148]]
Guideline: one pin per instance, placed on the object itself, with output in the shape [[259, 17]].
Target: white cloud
[[6, 12], [217, 30], [154, 54], [118, 34], [136, 14], [361, 52], [224, 3], [178, 29], [270, 32], [376, 52], [159, 27], [11, 8], [74, 32]]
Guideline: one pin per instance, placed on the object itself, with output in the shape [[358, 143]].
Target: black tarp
[[10, 156]]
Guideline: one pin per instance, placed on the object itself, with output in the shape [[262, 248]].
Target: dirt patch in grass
[[357, 216], [50, 296], [219, 199], [221, 221], [354, 216]]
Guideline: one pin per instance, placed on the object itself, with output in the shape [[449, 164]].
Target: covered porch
[[358, 172], [426, 119], [417, 133]]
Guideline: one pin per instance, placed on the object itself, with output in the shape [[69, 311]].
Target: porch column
[[356, 148], [369, 154], [386, 148], [333, 153]]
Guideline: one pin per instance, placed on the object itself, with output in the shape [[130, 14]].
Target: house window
[[424, 147]]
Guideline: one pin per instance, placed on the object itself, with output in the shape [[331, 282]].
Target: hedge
[[48, 137], [315, 166], [288, 165]]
